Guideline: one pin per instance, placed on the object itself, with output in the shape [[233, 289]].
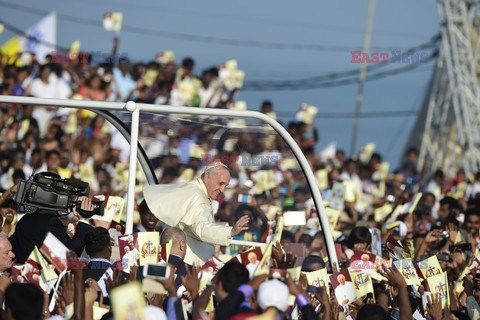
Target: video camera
[[48, 191]]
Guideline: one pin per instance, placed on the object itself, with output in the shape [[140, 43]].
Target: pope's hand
[[241, 225]]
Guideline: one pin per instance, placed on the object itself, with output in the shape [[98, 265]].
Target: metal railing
[[136, 108]]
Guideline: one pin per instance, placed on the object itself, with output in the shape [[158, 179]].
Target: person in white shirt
[[43, 87]]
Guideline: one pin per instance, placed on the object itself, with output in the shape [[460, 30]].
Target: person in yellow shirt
[[188, 207]]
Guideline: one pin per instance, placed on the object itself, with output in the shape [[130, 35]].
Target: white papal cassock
[[187, 206]]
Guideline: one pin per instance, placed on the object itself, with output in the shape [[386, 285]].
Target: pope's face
[[341, 279], [216, 182]]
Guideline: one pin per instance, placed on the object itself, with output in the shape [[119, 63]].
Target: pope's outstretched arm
[[204, 230]]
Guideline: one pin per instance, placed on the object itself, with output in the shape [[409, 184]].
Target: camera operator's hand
[[85, 206]]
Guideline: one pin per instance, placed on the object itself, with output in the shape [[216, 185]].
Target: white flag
[[44, 31]]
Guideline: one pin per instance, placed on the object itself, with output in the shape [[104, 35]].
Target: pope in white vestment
[[188, 207]]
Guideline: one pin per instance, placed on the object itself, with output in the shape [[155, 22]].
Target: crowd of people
[[390, 226]]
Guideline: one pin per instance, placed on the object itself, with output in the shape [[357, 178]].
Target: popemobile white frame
[[136, 108]]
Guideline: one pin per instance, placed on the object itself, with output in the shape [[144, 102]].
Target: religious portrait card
[[129, 252], [343, 287]]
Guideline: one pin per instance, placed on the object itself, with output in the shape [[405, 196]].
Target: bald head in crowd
[[6, 253], [179, 241]]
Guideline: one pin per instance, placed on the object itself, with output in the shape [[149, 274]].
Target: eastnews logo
[[98, 57], [394, 56], [243, 161]]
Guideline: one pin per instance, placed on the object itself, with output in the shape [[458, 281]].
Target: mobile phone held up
[[156, 271], [312, 289], [244, 198]]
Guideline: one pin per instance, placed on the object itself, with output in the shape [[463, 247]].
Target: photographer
[[32, 229]]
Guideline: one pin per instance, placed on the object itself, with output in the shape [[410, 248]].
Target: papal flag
[[45, 31], [34, 40]]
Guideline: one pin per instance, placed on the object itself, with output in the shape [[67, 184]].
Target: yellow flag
[[11, 48], [74, 48], [117, 19]]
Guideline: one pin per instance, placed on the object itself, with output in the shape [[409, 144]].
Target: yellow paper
[[272, 212], [65, 172], [332, 215], [430, 267], [295, 273], [48, 272], [210, 306], [74, 48], [148, 243], [98, 312], [71, 127], [383, 170], [439, 285], [196, 151], [86, 172], [362, 283], [318, 278], [151, 286], [461, 188], [120, 179], [114, 209], [415, 201], [395, 214], [117, 19], [263, 267], [150, 77], [322, 179], [407, 270], [225, 257], [367, 152], [336, 234], [288, 163], [128, 302], [382, 212], [392, 225], [278, 232]]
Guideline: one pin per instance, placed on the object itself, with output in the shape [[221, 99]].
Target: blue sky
[[401, 24]]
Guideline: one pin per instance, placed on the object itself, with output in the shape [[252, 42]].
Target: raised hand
[[240, 225], [394, 278], [169, 283], [434, 307], [453, 229], [67, 289], [191, 281], [433, 235]]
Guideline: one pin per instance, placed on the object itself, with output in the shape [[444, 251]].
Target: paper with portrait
[[343, 287], [128, 302]]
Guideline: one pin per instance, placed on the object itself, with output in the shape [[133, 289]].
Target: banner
[[44, 31]]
